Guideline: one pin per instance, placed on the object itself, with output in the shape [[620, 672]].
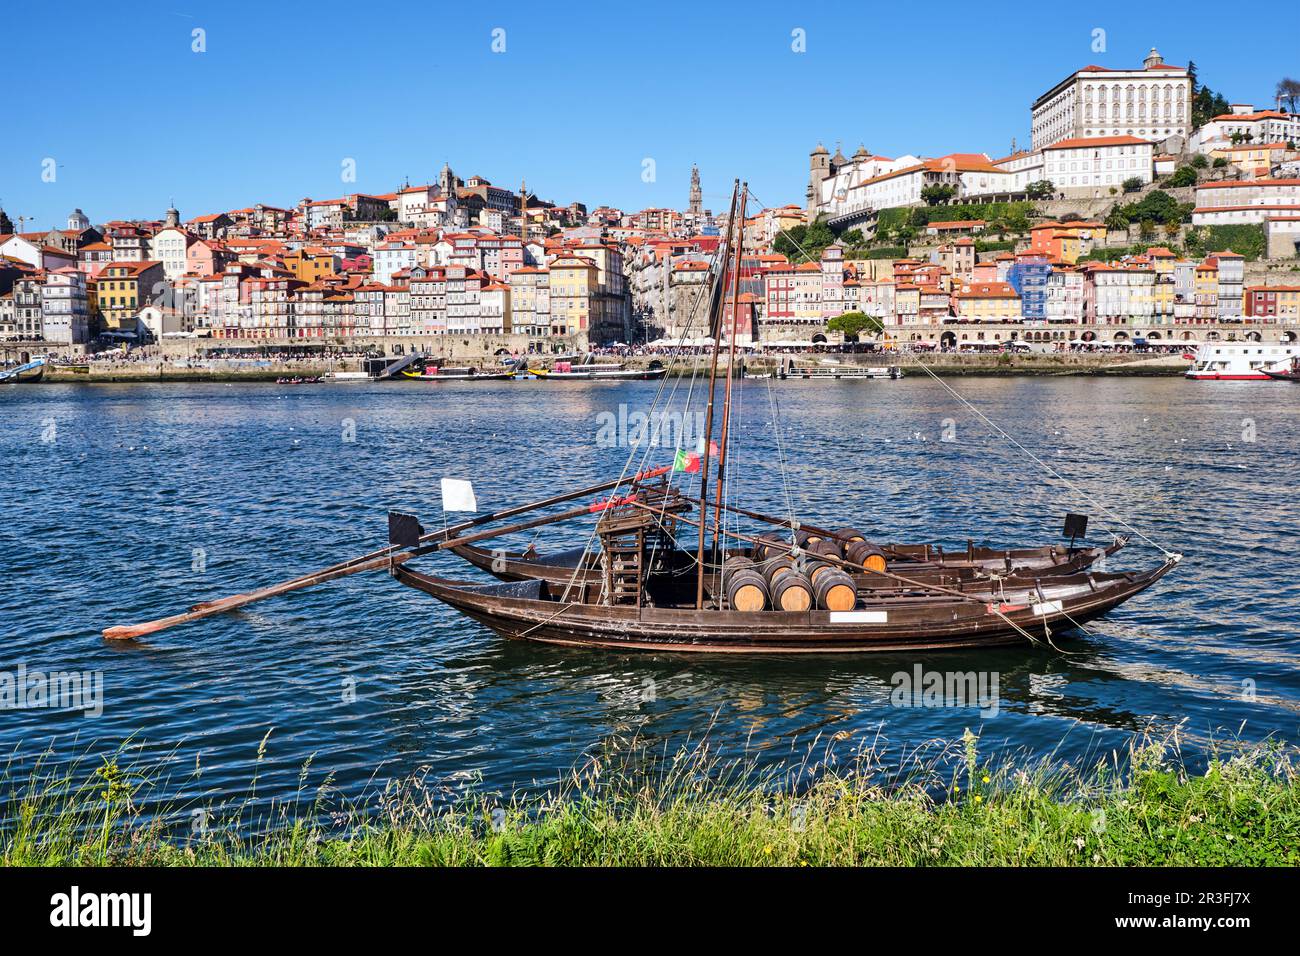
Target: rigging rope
[[993, 425]]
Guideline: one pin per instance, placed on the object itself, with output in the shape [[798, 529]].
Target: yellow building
[[1252, 159], [573, 279], [123, 289], [987, 302], [310, 265], [1206, 290], [1162, 263]]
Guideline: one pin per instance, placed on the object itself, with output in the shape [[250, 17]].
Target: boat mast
[[715, 330], [731, 363]]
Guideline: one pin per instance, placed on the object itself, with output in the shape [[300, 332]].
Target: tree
[[938, 193], [853, 237], [1182, 176], [1156, 206], [854, 324], [1206, 104], [1200, 161], [6, 224], [1288, 91], [1018, 223], [1117, 221], [1042, 189], [1220, 162], [1132, 184]]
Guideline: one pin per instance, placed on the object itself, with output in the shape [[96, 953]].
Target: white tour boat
[[1241, 361]]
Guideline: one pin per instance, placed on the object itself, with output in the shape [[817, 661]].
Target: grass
[[630, 808]]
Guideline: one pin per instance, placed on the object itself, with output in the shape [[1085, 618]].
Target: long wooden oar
[[384, 557]]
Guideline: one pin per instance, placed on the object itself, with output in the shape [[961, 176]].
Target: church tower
[[447, 180], [697, 195], [819, 167]]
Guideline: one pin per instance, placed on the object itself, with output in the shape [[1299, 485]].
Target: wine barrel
[[848, 536], [759, 550], [825, 547], [776, 567], [867, 555], [835, 591], [746, 590], [813, 568], [792, 592], [806, 538]]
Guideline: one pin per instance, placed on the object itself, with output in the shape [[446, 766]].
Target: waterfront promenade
[[941, 363]]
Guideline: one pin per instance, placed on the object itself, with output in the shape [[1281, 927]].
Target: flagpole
[[715, 330], [731, 364]]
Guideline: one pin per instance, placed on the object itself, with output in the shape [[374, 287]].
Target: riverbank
[[1143, 808], [942, 363]]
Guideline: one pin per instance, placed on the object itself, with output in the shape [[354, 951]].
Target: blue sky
[[582, 95]]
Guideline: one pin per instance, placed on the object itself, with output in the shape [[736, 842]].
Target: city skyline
[[211, 133]]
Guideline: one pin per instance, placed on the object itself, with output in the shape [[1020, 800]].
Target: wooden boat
[[434, 373], [575, 615], [26, 374], [1288, 373], [565, 371]]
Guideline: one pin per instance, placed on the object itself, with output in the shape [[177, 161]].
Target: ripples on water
[[100, 527]]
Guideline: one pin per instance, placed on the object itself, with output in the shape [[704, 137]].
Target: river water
[[125, 502]]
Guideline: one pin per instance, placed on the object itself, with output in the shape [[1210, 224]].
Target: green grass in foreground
[[1138, 808]]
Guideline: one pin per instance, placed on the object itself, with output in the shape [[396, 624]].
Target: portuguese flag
[[689, 461]]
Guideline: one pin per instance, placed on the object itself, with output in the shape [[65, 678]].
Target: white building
[[170, 246], [393, 256], [1022, 168], [1091, 167], [1153, 103], [1250, 201], [65, 313], [1249, 125]]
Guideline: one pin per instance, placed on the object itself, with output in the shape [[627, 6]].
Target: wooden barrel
[[776, 567], [813, 568], [771, 546], [848, 536], [867, 555], [825, 547], [746, 590], [805, 538], [760, 546], [835, 591], [792, 592]]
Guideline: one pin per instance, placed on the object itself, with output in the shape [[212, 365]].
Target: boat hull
[[530, 611]]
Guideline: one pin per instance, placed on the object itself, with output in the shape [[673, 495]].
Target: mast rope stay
[[1095, 502]]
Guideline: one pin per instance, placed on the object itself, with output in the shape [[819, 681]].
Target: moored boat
[[1242, 361], [27, 373], [1287, 373], [435, 373]]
